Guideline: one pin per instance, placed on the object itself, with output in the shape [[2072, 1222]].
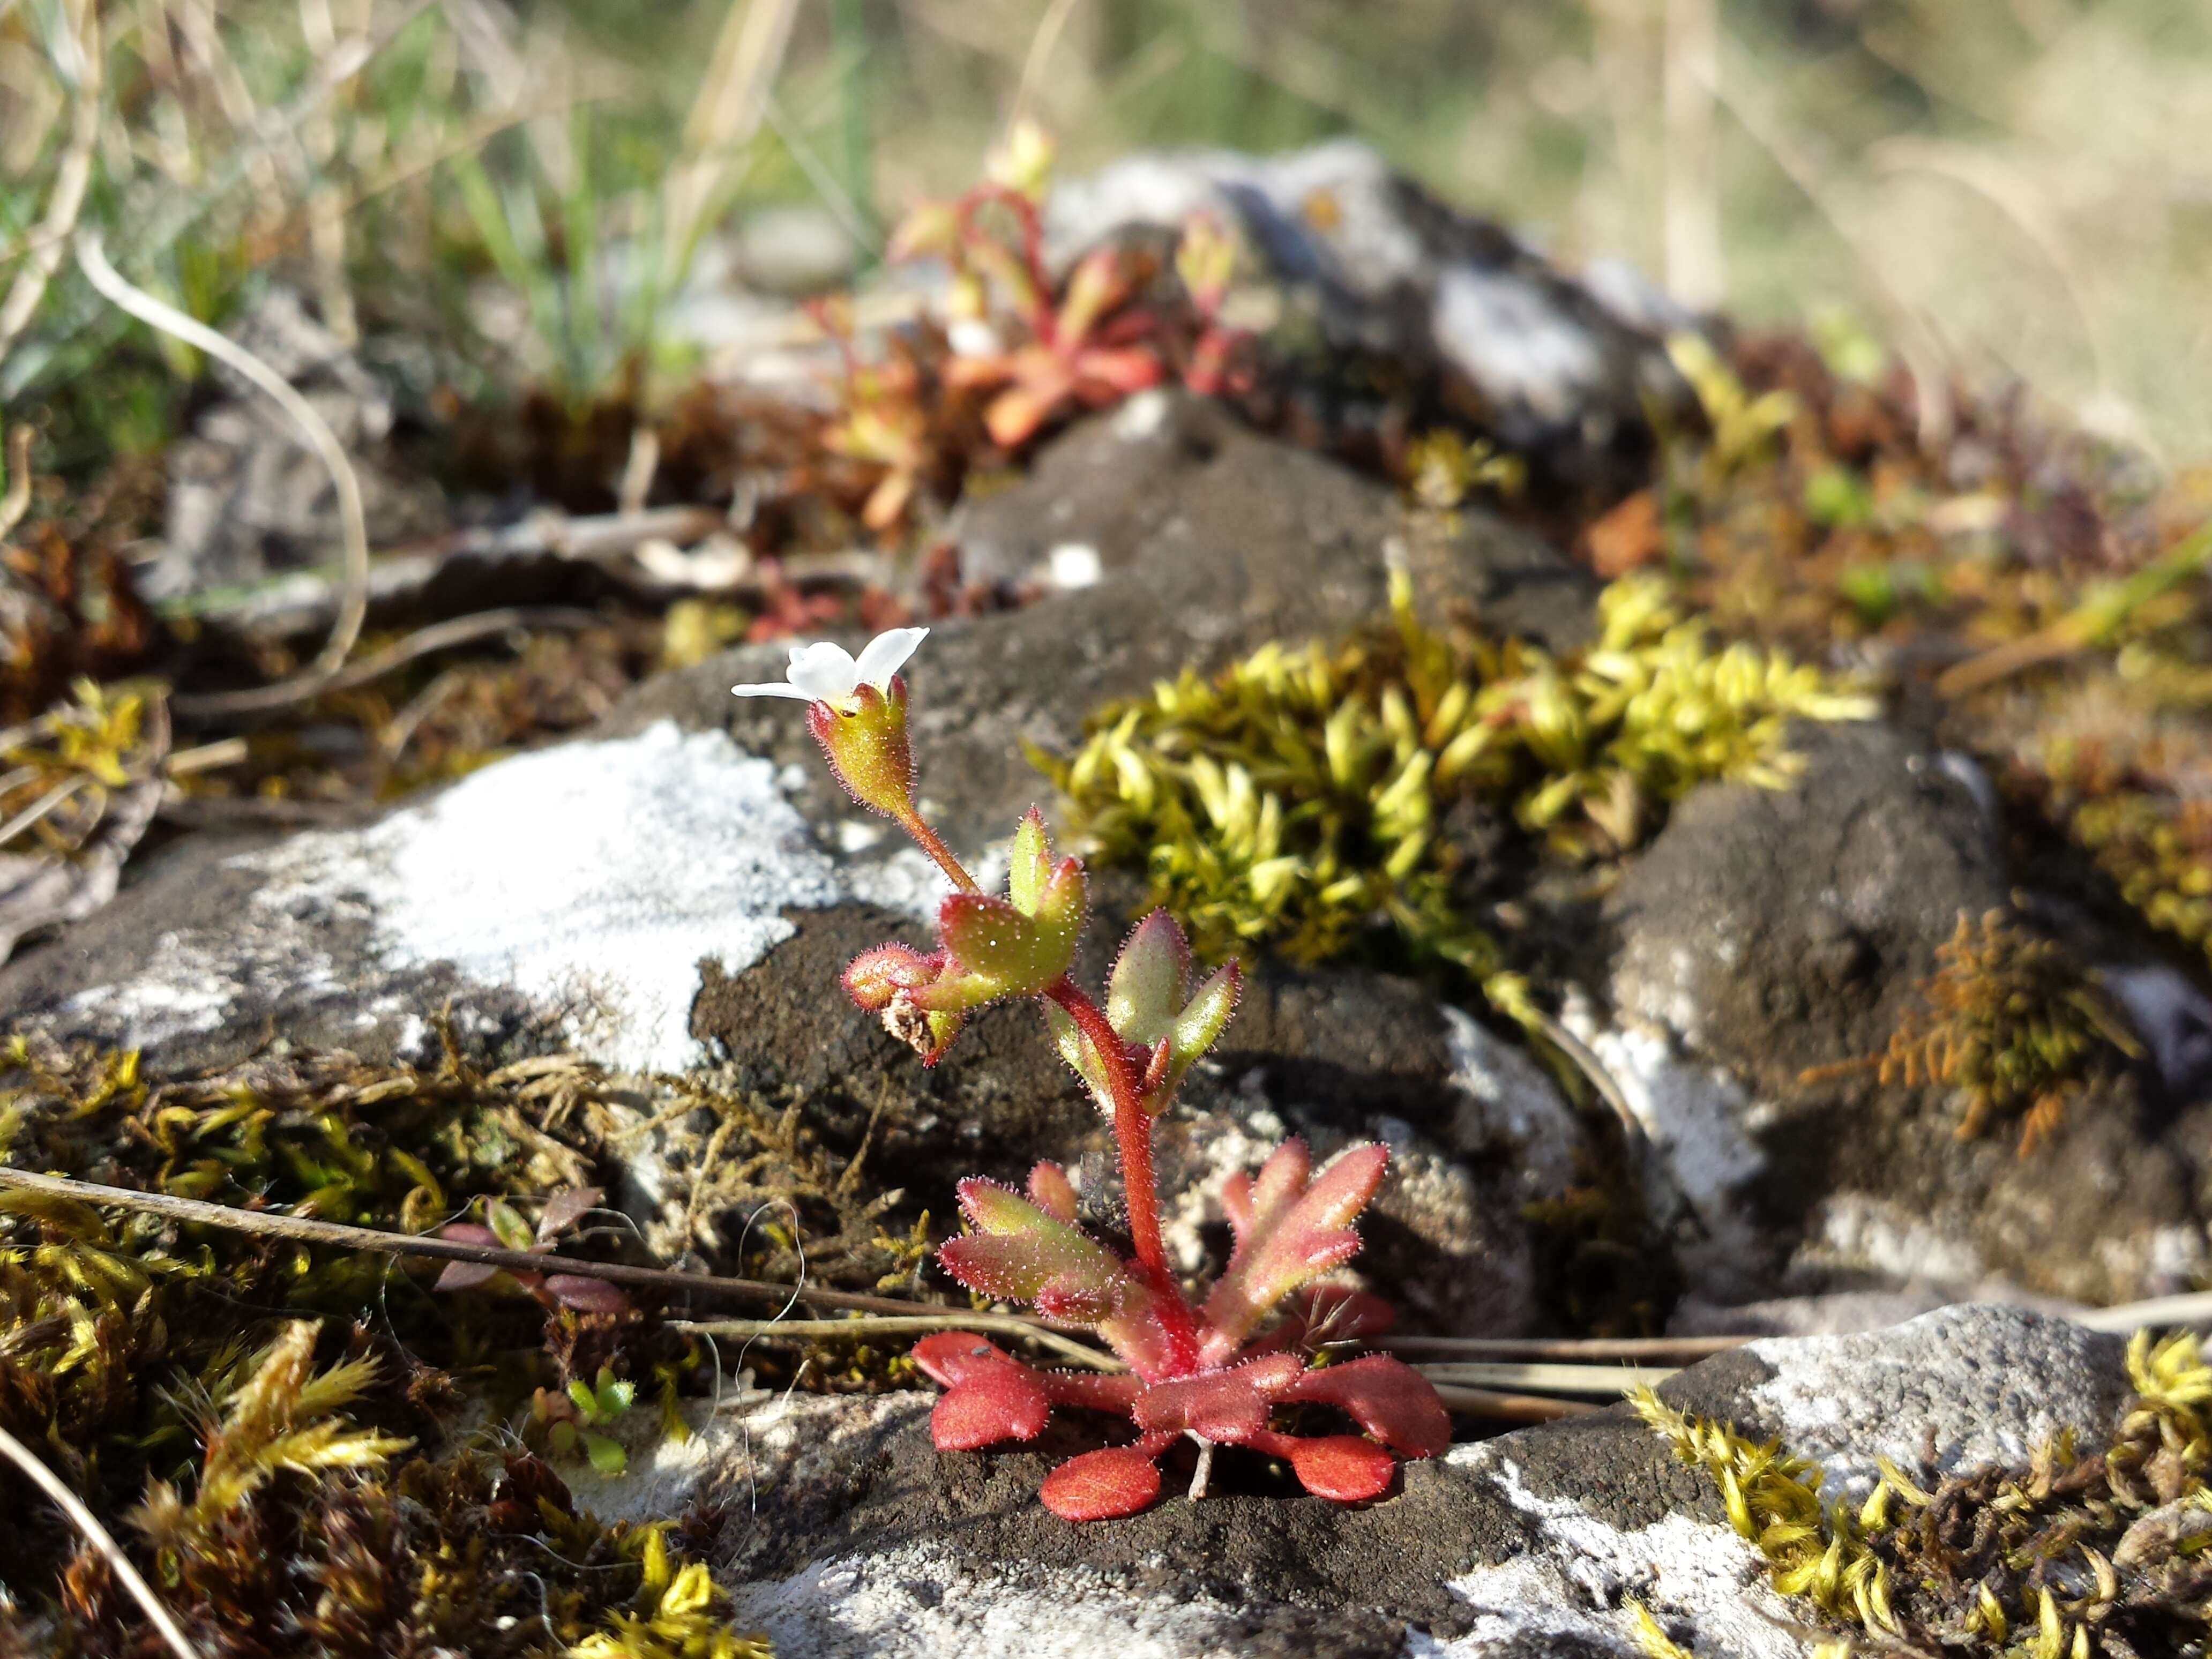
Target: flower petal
[[781, 688], [822, 671], [885, 654]]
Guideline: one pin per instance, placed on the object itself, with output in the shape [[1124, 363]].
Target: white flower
[[827, 672]]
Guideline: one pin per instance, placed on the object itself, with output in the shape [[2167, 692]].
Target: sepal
[[865, 742]]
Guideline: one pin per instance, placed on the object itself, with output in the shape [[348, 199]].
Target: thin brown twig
[[1548, 1379], [1688, 1349], [1508, 1408], [902, 1325], [272, 1224], [102, 1540]]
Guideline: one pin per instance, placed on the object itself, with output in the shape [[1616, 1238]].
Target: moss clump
[[1303, 796], [2010, 1022], [1774, 1503], [2069, 1557], [300, 1533], [749, 1178], [292, 1487], [2158, 852]]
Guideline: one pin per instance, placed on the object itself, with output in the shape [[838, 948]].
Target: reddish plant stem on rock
[[1132, 1130]]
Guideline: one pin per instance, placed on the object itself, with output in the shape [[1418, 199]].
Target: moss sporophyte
[[1215, 1370]]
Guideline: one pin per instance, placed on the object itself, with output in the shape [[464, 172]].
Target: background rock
[[1764, 931], [1554, 365]]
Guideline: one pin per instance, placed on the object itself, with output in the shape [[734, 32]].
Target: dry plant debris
[[284, 1474]]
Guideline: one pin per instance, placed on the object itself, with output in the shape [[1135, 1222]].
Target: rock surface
[[1764, 932], [849, 1537]]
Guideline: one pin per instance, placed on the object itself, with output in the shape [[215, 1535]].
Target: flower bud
[[882, 971], [865, 741]]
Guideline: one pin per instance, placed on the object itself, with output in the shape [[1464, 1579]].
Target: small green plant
[[2158, 850], [1774, 1503], [677, 1615], [2009, 1021], [1216, 1372], [567, 1423]]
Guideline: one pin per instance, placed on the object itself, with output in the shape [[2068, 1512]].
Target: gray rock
[[1553, 364], [850, 1536], [1766, 932], [685, 884]]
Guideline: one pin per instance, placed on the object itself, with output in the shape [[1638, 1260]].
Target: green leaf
[[607, 1455], [987, 936], [507, 1221], [1204, 1017], [614, 1396], [1147, 986], [1032, 864]]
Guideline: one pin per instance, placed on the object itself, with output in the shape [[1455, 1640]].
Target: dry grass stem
[[353, 522], [101, 1540]]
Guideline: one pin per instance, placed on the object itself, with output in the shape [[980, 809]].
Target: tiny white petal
[[885, 654], [781, 688], [824, 671]]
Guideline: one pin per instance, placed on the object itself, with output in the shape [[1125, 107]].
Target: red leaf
[[1385, 1396], [1050, 1192], [1342, 1467], [565, 1209], [1288, 1233], [465, 1276], [586, 1295], [1229, 1406], [989, 1395], [1102, 1484]]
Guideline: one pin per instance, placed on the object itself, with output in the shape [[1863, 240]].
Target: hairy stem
[[928, 838], [1132, 1132]]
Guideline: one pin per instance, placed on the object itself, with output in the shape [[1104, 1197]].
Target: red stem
[[1042, 322], [926, 838], [1132, 1130]]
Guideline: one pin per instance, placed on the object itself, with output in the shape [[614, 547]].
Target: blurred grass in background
[[2020, 185]]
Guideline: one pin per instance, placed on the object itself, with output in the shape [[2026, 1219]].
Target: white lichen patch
[[1507, 1097], [1515, 342], [738, 1445], [1858, 1231], [1566, 1593], [591, 878], [917, 1600], [1697, 1117]]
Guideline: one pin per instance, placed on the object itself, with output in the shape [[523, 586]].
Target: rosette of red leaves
[[1290, 1228]]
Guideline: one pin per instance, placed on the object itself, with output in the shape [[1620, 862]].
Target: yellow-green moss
[[1299, 797], [2071, 1557]]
